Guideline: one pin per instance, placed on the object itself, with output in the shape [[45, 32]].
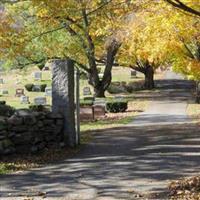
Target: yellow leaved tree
[[82, 30]]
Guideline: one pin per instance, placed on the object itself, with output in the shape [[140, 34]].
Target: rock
[[41, 146], [15, 120], [62, 145], [11, 134], [40, 124], [54, 115], [19, 129], [23, 138], [22, 112], [34, 149], [1, 147], [58, 130], [59, 122], [3, 132], [2, 137], [39, 115], [3, 125], [48, 122], [10, 150], [29, 120], [37, 140]]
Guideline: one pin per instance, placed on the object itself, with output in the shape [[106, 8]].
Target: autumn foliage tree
[[83, 30], [158, 35]]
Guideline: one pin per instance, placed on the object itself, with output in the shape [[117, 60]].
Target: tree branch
[[180, 5]]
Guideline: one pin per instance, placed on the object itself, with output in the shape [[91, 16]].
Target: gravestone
[[100, 102], [19, 92], [99, 107], [46, 68], [86, 113], [119, 98], [63, 97], [86, 91], [37, 76], [36, 88], [133, 74], [1, 81], [24, 100], [48, 91], [4, 92], [99, 111], [40, 101]]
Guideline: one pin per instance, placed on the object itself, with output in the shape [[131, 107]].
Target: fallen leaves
[[185, 189]]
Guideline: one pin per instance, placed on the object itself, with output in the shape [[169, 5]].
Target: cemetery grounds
[[17, 79]]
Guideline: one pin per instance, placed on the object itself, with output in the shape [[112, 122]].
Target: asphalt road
[[133, 162]]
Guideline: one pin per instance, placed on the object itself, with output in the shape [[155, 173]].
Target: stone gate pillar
[[63, 97]]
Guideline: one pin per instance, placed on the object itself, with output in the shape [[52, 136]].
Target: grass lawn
[[116, 119], [26, 76], [18, 163]]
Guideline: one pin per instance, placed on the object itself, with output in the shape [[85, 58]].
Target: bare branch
[[180, 5]]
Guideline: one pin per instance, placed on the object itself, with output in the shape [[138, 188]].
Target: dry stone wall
[[30, 132]]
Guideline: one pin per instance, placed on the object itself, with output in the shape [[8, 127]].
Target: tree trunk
[[149, 78], [99, 92]]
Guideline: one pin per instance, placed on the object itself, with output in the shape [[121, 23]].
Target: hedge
[[116, 106]]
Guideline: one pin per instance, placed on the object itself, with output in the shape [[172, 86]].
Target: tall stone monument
[[63, 97]]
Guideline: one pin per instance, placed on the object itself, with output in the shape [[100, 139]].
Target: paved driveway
[[132, 162]]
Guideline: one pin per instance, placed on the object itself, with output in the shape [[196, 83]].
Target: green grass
[[6, 168], [26, 76], [103, 124]]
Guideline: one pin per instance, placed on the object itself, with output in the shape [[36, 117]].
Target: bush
[[39, 108], [116, 89], [2, 102], [42, 87], [88, 98], [29, 87], [86, 102], [6, 110], [41, 66], [116, 106]]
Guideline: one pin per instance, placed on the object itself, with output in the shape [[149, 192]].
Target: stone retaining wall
[[30, 132]]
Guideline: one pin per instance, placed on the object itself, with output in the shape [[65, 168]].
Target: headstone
[[36, 88], [99, 111], [46, 68], [119, 98], [38, 76], [1, 81], [86, 113], [48, 91], [133, 74], [4, 91], [24, 100], [86, 91], [100, 102], [40, 101], [19, 92]]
